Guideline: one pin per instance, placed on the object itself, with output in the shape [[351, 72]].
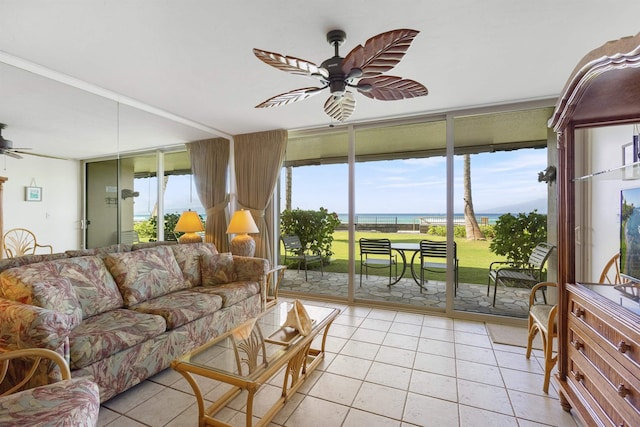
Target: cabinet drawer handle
[[577, 345], [578, 376], [579, 312], [623, 391], [623, 347]]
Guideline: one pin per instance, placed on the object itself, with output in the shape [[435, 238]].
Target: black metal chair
[[433, 258], [376, 253], [527, 273], [295, 252]]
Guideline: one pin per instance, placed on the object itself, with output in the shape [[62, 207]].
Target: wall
[[56, 219]]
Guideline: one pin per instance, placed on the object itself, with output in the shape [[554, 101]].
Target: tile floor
[[383, 368]]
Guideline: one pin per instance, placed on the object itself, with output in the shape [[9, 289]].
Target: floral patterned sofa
[[121, 314]]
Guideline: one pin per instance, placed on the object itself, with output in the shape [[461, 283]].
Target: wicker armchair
[[20, 241]]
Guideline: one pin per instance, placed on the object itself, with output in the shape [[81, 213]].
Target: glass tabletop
[[248, 349]]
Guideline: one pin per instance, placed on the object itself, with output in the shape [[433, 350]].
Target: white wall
[[56, 219], [605, 197]]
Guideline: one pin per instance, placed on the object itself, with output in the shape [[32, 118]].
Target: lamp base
[[190, 238], [243, 245]]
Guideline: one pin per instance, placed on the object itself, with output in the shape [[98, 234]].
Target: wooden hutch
[[598, 337]]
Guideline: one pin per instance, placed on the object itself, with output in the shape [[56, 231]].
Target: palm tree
[[470, 222]]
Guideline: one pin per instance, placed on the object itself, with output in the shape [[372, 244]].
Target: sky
[[501, 181], [505, 181]]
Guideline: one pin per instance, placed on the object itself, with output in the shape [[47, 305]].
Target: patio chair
[[295, 252], [20, 241], [526, 273], [376, 253], [542, 318], [433, 258]]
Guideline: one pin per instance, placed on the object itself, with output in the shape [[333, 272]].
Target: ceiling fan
[[6, 148], [361, 69]]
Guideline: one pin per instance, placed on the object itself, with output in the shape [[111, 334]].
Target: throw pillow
[[217, 269], [58, 295], [145, 273]]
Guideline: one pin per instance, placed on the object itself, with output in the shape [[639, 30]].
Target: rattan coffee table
[[252, 354]]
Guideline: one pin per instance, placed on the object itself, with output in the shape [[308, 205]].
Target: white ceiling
[[192, 62]]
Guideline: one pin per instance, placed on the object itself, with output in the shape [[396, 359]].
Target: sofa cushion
[[94, 286], [108, 333], [145, 273], [147, 245], [217, 269], [231, 293], [179, 308], [188, 258], [29, 259]]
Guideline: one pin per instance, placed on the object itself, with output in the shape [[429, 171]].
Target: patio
[[512, 302]]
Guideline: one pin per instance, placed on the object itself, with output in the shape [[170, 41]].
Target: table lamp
[[189, 224], [241, 224]]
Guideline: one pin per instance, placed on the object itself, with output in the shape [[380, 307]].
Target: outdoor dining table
[[402, 248]]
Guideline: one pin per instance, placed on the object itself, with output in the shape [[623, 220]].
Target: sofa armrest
[[27, 326], [253, 270]]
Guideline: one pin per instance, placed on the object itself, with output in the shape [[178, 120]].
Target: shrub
[[516, 236], [149, 229], [314, 228]]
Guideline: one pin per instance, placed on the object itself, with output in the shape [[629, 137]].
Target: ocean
[[416, 218]]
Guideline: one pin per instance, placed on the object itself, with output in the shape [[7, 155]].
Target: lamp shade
[[242, 223], [189, 222]]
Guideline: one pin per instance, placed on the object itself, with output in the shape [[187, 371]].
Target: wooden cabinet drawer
[[608, 386], [619, 334]]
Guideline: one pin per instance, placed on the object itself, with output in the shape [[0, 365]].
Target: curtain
[[209, 164], [258, 159]]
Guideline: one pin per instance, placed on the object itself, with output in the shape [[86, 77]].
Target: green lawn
[[474, 255]]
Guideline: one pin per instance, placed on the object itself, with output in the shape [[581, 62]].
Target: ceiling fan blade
[[10, 154], [380, 53], [289, 97], [389, 88], [46, 156], [291, 64], [340, 107]]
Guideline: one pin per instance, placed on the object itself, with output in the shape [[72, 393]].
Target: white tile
[[438, 322], [381, 400], [133, 397], [484, 396], [396, 356], [436, 333], [156, 411], [475, 354], [401, 341], [479, 373], [432, 346], [314, 412], [336, 388], [359, 349], [382, 314], [389, 375], [469, 338], [469, 326], [348, 320], [526, 382], [436, 364], [369, 335], [348, 366], [473, 417], [429, 411], [357, 418], [105, 416], [434, 385], [518, 362], [540, 409], [376, 324], [405, 329], [341, 331], [411, 318]]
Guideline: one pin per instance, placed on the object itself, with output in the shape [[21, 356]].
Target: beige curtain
[[209, 164], [258, 159]]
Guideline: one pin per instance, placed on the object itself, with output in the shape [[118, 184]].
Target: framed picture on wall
[[33, 194]]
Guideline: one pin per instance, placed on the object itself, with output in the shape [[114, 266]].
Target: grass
[[474, 255]]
